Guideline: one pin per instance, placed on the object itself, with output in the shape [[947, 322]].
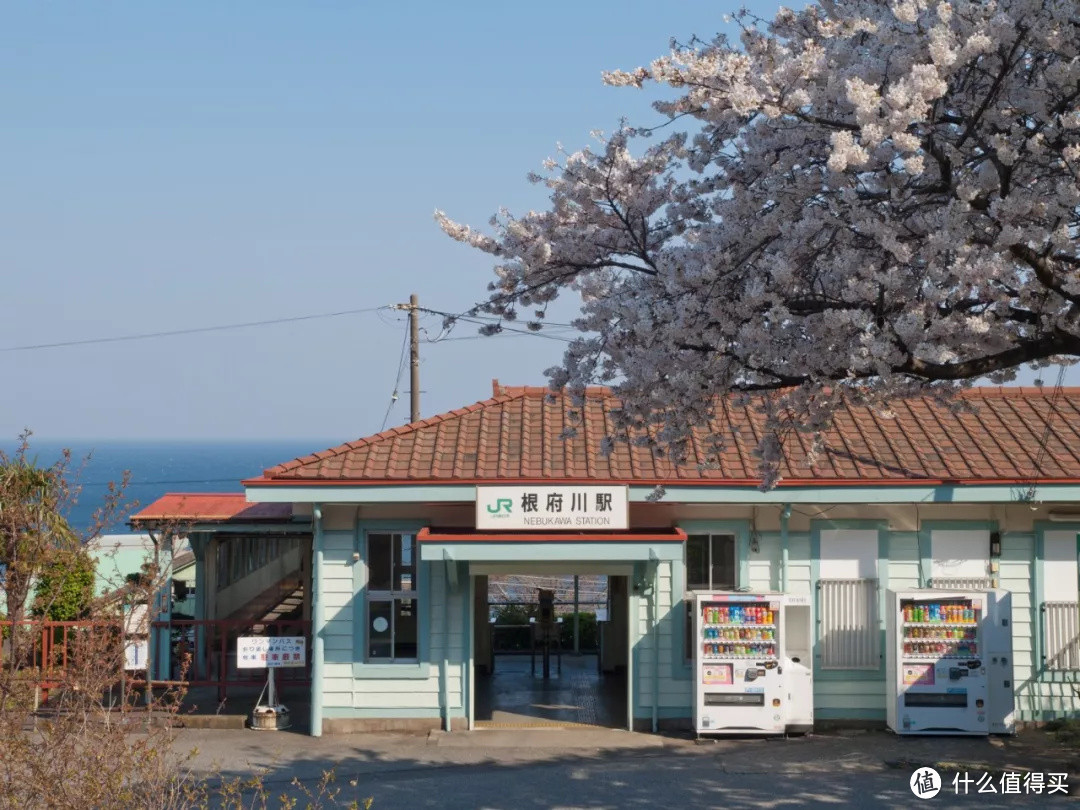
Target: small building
[[397, 534]]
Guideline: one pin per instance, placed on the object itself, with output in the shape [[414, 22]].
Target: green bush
[[588, 631], [65, 586]]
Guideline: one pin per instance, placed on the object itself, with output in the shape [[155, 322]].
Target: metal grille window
[[1061, 635], [848, 624], [962, 583], [391, 598]]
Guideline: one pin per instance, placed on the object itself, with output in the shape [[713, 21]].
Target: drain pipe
[[656, 662], [650, 595], [785, 514], [444, 690], [317, 641]]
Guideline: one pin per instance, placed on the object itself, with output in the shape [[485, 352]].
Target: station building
[[387, 544]]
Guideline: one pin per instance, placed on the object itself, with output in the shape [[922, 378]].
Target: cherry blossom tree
[[863, 199]]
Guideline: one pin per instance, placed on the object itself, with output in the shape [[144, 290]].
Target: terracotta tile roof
[[210, 508], [516, 435]]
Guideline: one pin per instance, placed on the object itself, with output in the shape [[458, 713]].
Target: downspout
[[785, 514], [444, 689], [317, 622], [656, 660], [651, 596]]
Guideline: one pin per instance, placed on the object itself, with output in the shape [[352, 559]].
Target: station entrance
[[550, 648]]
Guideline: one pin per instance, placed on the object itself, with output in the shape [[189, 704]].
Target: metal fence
[[44, 646], [850, 636], [202, 652], [181, 652], [1061, 635]]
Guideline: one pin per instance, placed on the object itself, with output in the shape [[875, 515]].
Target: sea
[[160, 466]]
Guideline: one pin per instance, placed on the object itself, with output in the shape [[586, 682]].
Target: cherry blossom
[[861, 200]]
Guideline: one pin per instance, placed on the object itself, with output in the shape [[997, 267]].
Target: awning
[[463, 545]]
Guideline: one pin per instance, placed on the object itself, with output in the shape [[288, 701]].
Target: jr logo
[[502, 504]]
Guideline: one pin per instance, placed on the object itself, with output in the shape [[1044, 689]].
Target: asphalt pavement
[[584, 768]]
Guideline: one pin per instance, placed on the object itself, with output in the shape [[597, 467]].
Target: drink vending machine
[[937, 658], [746, 679]]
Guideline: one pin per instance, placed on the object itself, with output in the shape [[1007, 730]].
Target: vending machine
[[937, 677], [741, 686]]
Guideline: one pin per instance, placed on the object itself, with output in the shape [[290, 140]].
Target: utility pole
[[414, 358]]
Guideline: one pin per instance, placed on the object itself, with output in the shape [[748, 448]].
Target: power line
[[1029, 496], [192, 331], [470, 316], [138, 483], [397, 379], [501, 327], [513, 334]]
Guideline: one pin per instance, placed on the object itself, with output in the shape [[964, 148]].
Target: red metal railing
[[197, 652], [202, 652], [44, 646]]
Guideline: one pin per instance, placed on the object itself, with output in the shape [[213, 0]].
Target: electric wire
[[191, 331], [397, 380], [1044, 440]]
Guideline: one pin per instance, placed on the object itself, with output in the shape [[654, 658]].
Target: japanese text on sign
[[570, 507], [257, 652]]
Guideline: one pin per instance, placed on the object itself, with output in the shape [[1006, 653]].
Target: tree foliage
[[33, 501], [65, 586], [36, 539], [881, 196]]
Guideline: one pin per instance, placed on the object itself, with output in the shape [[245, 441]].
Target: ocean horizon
[[158, 466]]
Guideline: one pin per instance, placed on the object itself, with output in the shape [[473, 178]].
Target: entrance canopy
[[468, 545]]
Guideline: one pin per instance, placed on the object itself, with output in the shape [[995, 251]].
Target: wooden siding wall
[[352, 690], [1040, 695]]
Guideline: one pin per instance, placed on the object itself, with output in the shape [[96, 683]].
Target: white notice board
[[257, 652]]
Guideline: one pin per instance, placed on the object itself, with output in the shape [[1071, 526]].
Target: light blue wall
[[662, 688], [353, 688]]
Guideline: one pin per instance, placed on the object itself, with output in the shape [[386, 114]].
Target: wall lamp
[[1064, 517]]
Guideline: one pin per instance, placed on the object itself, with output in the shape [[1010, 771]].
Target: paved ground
[[517, 696], [578, 768]]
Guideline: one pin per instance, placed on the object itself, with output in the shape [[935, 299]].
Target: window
[[391, 598], [710, 566], [710, 562], [849, 621]]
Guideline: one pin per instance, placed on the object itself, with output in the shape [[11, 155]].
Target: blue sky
[[169, 166]]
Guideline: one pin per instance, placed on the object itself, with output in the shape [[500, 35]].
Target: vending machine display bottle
[[936, 662], [739, 687]]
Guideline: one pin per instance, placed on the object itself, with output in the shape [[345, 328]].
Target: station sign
[[259, 652], [566, 507]]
